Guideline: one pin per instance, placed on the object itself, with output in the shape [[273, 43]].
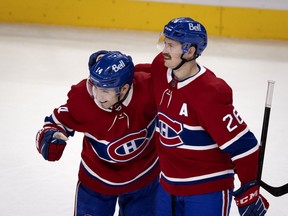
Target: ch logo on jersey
[[128, 147], [169, 131]]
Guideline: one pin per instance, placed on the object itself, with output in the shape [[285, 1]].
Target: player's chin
[[105, 105], [168, 64]]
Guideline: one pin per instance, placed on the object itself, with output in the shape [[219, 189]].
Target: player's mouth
[[166, 56], [103, 102]]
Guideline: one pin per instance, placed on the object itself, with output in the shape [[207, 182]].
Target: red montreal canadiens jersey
[[119, 150], [203, 139]]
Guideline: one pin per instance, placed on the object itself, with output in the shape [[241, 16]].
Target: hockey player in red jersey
[[115, 111], [203, 139]]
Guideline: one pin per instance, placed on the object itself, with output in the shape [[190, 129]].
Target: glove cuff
[[54, 127], [247, 197]]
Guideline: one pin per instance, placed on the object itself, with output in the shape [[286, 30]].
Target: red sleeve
[[71, 114], [216, 112], [222, 121], [247, 167], [143, 68]]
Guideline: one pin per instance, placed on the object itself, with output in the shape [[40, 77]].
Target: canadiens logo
[[128, 147], [169, 131]]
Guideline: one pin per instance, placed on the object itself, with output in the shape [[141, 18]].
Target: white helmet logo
[[118, 67], [194, 28]]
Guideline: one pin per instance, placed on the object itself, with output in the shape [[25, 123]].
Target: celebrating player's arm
[[143, 67], [234, 137], [51, 139], [244, 151], [247, 197]]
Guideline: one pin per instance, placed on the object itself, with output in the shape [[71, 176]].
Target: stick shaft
[[268, 104]]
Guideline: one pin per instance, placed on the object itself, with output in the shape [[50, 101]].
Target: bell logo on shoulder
[[118, 67], [194, 28]]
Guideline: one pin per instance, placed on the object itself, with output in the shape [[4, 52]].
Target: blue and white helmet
[[188, 32], [113, 70]]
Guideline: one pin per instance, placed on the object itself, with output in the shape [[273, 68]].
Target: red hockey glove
[[249, 201], [50, 142]]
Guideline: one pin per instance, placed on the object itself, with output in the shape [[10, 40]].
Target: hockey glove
[[249, 201], [94, 57], [50, 142]]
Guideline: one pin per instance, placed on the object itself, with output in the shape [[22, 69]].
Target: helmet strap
[[117, 105], [184, 61]]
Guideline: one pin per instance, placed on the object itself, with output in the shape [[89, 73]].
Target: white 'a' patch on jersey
[[183, 110]]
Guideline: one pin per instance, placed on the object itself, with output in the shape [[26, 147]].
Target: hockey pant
[[211, 204], [140, 202]]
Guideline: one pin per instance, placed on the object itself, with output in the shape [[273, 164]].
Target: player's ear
[[192, 50], [124, 89]]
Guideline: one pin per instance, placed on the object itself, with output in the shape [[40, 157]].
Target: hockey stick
[[275, 191]]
